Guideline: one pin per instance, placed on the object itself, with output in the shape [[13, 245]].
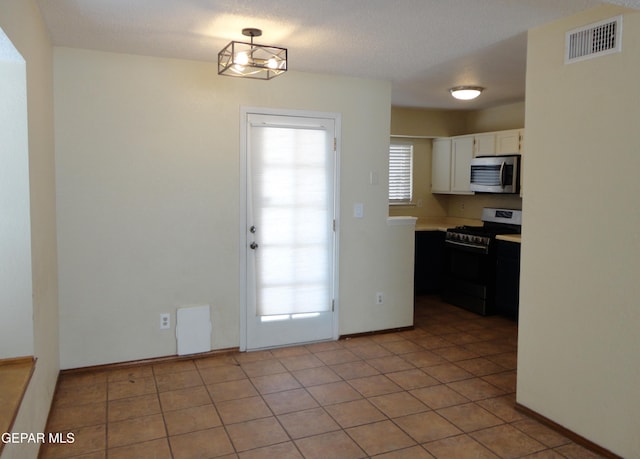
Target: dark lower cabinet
[[429, 262], [508, 278]]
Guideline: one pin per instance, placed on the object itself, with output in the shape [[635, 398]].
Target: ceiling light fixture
[[250, 60], [466, 92]]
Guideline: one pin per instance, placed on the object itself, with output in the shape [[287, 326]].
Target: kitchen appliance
[[470, 260], [495, 174]]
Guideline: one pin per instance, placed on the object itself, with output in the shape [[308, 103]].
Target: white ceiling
[[423, 46]]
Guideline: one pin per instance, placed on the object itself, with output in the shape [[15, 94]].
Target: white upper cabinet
[[508, 142], [461, 156], [485, 144], [451, 165], [451, 157], [441, 166], [499, 143]]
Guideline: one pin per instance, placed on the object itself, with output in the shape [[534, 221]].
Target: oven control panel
[[508, 216]]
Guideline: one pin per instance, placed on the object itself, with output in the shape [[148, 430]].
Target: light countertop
[[510, 237], [444, 223]]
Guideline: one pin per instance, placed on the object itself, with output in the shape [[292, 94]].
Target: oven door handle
[[468, 247]]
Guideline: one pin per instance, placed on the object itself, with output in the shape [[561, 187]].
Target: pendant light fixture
[[251, 60], [466, 92]]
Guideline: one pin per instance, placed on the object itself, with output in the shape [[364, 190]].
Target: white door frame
[[244, 113]]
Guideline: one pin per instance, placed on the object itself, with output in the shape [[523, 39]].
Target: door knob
[[253, 245]]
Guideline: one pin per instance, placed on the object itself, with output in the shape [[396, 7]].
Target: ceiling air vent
[[593, 40]]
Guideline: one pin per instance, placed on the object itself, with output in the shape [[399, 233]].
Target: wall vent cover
[[594, 40]]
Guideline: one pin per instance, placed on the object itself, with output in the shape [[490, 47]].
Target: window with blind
[[400, 173]]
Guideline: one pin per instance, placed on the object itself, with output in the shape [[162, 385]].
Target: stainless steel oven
[[470, 260], [495, 174]]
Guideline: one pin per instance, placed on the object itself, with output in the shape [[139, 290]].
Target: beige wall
[[471, 206], [578, 360], [427, 122], [444, 123], [21, 21], [510, 116], [148, 178]]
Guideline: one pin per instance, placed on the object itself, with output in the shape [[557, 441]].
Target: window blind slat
[[400, 173]]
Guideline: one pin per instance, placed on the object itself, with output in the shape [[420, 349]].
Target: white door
[[289, 234]]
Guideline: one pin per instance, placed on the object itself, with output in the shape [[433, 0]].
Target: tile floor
[[443, 390]]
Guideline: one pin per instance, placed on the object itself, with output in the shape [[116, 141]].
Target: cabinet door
[[461, 156], [485, 144], [507, 278], [508, 142], [429, 261], [441, 166]]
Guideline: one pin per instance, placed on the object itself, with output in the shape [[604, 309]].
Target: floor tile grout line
[[501, 385], [162, 412], [215, 406], [534, 438], [273, 414], [276, 416], [323, 407]]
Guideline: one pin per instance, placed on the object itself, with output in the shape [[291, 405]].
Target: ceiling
[[423, 47]]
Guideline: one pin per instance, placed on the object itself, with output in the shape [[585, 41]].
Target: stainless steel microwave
[[495, 174]]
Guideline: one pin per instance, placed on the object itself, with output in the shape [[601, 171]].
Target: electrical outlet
[[379, 298], [165, 321]]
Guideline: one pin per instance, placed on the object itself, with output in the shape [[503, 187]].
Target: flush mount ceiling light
[[250, 60], [466, 92]]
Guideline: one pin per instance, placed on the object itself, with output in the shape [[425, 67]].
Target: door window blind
[[292, 211], [400, 173]]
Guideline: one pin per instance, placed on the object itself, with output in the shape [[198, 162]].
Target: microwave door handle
[[502, 174]]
